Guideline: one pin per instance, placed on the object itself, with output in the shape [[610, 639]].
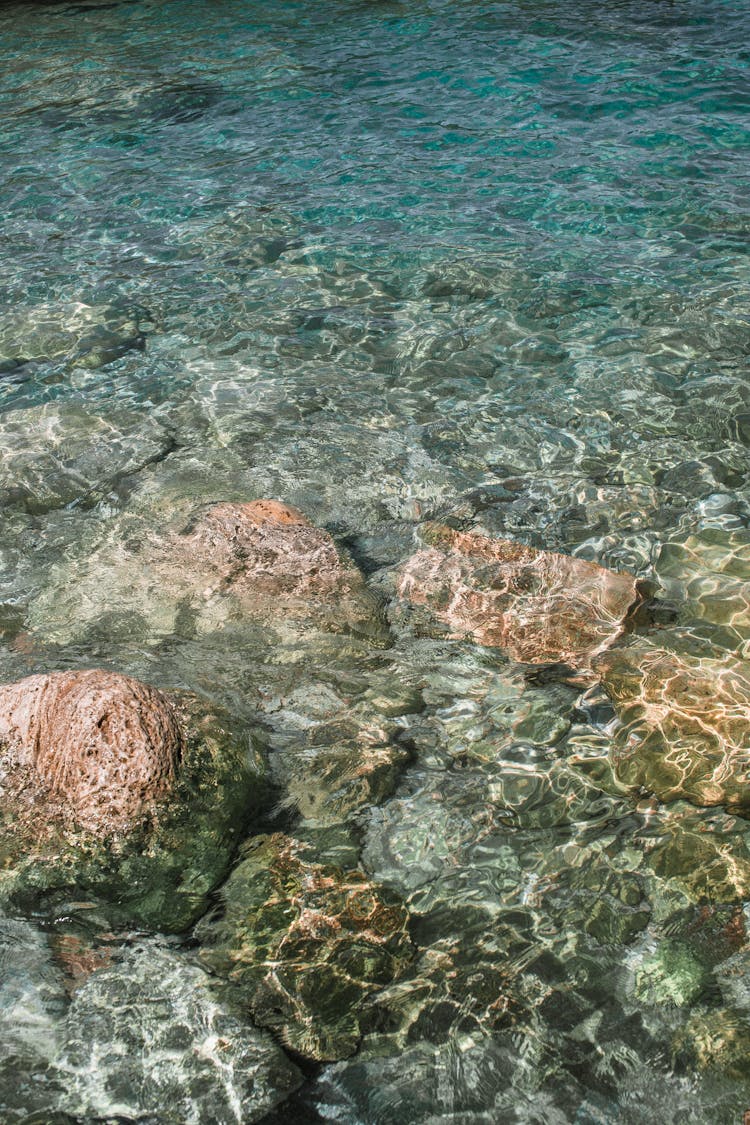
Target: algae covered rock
[[685, 723], [716, 1039], [115, 790], [303, 945], [672, 974], [539, 607], [69, 333]]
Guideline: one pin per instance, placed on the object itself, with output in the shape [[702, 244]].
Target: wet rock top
[[103, 744], [538, 606], [271, 548]]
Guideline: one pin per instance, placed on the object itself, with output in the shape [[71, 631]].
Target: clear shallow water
[[392, 263]]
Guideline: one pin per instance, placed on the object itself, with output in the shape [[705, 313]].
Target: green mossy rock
[[303, 945], [672, 975]]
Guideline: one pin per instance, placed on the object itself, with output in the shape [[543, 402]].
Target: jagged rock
[[103, 745], [113, 789], [304, 945], [537, 606], [685, 722]]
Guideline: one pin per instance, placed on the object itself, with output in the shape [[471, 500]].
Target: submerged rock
[[273, 560], [70, 333], [303, 945], [537, 606], [54, 454], [143, 1039], [685, 723], [235, 566], [707, 575], [146, 1036], [113, 789], [104, 745]]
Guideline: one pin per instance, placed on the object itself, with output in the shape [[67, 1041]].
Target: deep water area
[[484, 265]]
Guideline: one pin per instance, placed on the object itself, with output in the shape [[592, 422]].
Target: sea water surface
[[390, 262]]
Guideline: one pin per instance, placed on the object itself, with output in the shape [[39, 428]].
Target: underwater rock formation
[[266, 550], [303, 945], [113, 789], [53, 454], [707, 575], [160, 1039], [142, 1038], [69, 333], [235, 566], [539, 607], [104, 745], [685, 722]]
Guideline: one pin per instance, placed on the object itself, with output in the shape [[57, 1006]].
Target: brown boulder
[[539, 607], [101, 745]]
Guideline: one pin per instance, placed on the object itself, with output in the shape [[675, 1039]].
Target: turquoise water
[[389, 263]]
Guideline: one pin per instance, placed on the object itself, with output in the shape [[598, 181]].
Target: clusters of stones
[[99, 753]]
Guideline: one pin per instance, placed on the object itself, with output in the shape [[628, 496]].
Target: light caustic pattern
[[483, 266]]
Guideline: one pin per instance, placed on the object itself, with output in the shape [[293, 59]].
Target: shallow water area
[[481, 264]]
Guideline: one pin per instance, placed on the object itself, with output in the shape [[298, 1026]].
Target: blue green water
[[389, 263]]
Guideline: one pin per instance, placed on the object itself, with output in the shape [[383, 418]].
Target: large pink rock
[[539, 607], [101, 745]]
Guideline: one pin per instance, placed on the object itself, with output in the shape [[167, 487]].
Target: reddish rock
[[273, 562], [268, 548], [537, 606], [102, 745]]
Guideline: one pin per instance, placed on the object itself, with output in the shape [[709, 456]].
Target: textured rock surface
[[161, 870], [304, 945], [274, 561], [105, 745], [147, 1037], [234, 566], [685, 723], [537, 606], [144, 1039], [707, 574]]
